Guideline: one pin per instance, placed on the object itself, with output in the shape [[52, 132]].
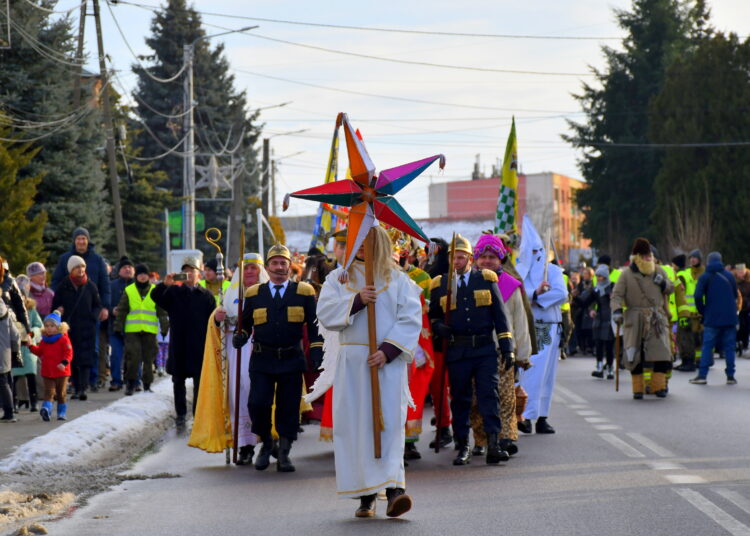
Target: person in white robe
[[546, 297], [252, 272], [342, 308]]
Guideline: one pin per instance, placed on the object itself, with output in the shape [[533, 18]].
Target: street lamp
[[266, 177], [188, 185]]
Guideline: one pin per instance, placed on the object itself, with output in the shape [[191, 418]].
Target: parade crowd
[[277, 341]]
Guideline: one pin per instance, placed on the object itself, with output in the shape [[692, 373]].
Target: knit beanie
[[714, 256], [142, 269], [602, 270], [75, 261], [212, 264], [641, 246], [54, 316], [604, 259], [124, 261], [680, 261], [81, 231], [490, 243], [697, 254], [35, 268]]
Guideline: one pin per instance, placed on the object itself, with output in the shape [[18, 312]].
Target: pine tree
[[701, 192], [20, 235], [36, 83], [222, 120], [618, 203]]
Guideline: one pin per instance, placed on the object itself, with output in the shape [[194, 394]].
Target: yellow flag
[[507, 200]]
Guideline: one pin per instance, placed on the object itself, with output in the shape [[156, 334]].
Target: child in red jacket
[[56, 353]]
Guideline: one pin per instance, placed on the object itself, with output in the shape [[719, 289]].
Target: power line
[[145, 69], [148, 106], [412, 62], [60, 128], [159, 156], [46, 10], [390, 30], [42, 49]]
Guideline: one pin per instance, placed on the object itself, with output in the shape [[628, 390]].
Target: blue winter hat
[[714, 256], [54, 316]]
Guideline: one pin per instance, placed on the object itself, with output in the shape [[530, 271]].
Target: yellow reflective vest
[[566, 306], [688, 306], [672, 299], [614, 275], [142, 315], [224, 287]]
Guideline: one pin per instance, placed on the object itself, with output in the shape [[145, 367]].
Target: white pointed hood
[[530, 265]]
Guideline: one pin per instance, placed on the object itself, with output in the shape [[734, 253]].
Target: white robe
[[244, 434], [399, 322]]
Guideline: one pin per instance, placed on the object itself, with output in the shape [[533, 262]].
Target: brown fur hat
[[641, 246]]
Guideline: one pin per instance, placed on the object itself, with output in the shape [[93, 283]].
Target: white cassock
[[539, 380], [399, 322]]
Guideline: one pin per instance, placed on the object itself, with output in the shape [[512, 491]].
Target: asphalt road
[[617, 466]]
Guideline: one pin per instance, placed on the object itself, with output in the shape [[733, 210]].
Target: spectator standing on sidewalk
[[189, 307], [716, 300], [78, 300], [38, 289], [139, 319], [125, 274], [10, 342], [742, 276]]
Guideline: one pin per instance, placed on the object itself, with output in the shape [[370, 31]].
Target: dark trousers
[[180, 394], [30, 387], [140, 349], [481, 373], [80, 377], [744, 331], [288, 390], [6, 394], [607, 347], [659, 366]]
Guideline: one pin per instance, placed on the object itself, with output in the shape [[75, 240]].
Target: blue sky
[[398, 132]]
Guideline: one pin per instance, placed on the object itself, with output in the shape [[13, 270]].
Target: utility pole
[[266, 174], [188, 190], [273, 188], [79, 57], [112, 164]]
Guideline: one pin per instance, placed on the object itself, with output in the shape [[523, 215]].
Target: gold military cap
[[279, 250], [462, 244]]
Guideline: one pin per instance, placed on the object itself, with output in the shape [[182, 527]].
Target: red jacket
[[52, 354]]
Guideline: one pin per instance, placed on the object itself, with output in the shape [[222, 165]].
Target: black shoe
[[495, 454], [180, 421], [284, 464], [686, 367], [33, 408], [638, 396], [75, 396], [147, 388], [446, 438], [398, 502], [138, 387], [130, 388], [114, 387], [82, 396], [245, 455], [610, 373], [509, 446], [464, 454], [366, 506], [543, 427], [411, 452], [275, 449], [599, 372], [478, 450], [525, 426], [264, 457], [661, 393], [94, 388]]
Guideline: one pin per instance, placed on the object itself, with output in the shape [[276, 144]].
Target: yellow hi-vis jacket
[[672, 299], [142, 315], [685, 297]]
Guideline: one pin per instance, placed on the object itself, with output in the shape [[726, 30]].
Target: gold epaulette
[[252, 291], [489, 275], [436, 282], [305, 289]]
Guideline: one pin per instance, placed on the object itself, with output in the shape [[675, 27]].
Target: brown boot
[[638, 386], [398, 502], [366, 506], [659, 384]]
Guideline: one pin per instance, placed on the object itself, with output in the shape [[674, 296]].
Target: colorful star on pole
[[369, 195]]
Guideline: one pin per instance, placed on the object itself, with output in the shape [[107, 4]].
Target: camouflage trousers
[[509, 430]]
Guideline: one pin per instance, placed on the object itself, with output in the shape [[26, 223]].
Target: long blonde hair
[[383, 262]]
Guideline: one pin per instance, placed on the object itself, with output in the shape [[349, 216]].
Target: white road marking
[[570, 394], [665, 466], [646, 442], [596, 419], [735, 498], [578, 406], [557, 399], [685, 479], [722, 518], [588, 412], [623, 447], [607, 427]]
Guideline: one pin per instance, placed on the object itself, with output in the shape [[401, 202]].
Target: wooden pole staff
[[377, 424], [238, 365]]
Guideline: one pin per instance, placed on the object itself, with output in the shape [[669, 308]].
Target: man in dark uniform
[[477, 332], [275, 313]]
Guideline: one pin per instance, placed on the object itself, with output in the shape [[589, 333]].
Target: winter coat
[[54, 353], [81, 307], [96, 269], [29, 359], [583, 319], [744, 287], [716, 297], [602, 323], [116, 288], [43, 298], [13, 299], [646, 327], [189, 310], [10, 340]]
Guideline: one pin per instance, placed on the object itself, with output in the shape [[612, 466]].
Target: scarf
[[37, 288], [79, 281], [50, 339]]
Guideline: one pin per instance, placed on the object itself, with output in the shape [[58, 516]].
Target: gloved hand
[[617, 317], [441, 329], [239, 338], [316, 358], [659, 280], [509, 358], [684, 322]]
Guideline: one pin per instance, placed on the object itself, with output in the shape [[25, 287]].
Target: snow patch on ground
[[98, 438]]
